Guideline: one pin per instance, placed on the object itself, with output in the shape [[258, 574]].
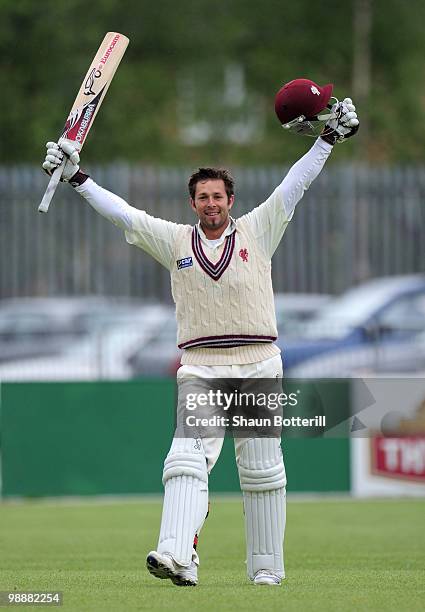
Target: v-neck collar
[[214, 270]]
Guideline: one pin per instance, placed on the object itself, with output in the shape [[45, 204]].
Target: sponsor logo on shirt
[[186, 262]]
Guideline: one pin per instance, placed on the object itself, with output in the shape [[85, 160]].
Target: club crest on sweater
[[243, 254]]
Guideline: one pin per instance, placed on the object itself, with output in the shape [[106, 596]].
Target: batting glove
[[343, 124], [55, 155]]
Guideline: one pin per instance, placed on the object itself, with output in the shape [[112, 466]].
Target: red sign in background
[[398, 457]]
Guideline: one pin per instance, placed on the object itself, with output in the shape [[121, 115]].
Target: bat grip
[[51, 188]]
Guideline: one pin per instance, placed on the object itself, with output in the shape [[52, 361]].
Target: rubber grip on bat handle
[[51, 188]]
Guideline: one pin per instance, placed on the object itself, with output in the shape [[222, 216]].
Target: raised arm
[[269, 220], [155, 236]]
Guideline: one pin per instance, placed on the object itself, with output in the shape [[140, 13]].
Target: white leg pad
[[185, 506], [263, 483]]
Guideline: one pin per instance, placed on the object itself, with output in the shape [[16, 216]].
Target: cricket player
[[221, 283]]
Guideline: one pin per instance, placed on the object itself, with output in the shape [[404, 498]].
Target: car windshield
[[344, 313], [117, 330]]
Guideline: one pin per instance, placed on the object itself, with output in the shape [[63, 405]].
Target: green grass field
[[340, 555]]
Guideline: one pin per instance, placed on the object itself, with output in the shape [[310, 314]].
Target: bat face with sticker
[[87, 103]]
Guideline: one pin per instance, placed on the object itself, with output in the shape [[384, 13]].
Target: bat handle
[[51, 188]]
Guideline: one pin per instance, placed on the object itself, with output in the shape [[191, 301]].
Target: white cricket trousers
[[270, 368], [261, 474]]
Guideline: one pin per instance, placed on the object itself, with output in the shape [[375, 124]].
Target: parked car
[[160, 356], [399, 359], [378, 313], [43, 326], [104, 354], [293, 310]]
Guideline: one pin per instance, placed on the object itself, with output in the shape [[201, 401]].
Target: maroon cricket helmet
[[301, 97]]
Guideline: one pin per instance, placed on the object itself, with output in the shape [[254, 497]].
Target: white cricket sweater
[[224, 298], [239, 302]]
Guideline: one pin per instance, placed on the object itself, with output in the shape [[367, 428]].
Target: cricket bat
[[88, 101]]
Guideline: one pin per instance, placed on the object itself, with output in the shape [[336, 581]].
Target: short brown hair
[[205, 174]]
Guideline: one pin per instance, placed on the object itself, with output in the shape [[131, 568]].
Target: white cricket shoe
[[163, 566], [266, 577]]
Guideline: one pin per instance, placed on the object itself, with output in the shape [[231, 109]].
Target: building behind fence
[[353, 224]]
